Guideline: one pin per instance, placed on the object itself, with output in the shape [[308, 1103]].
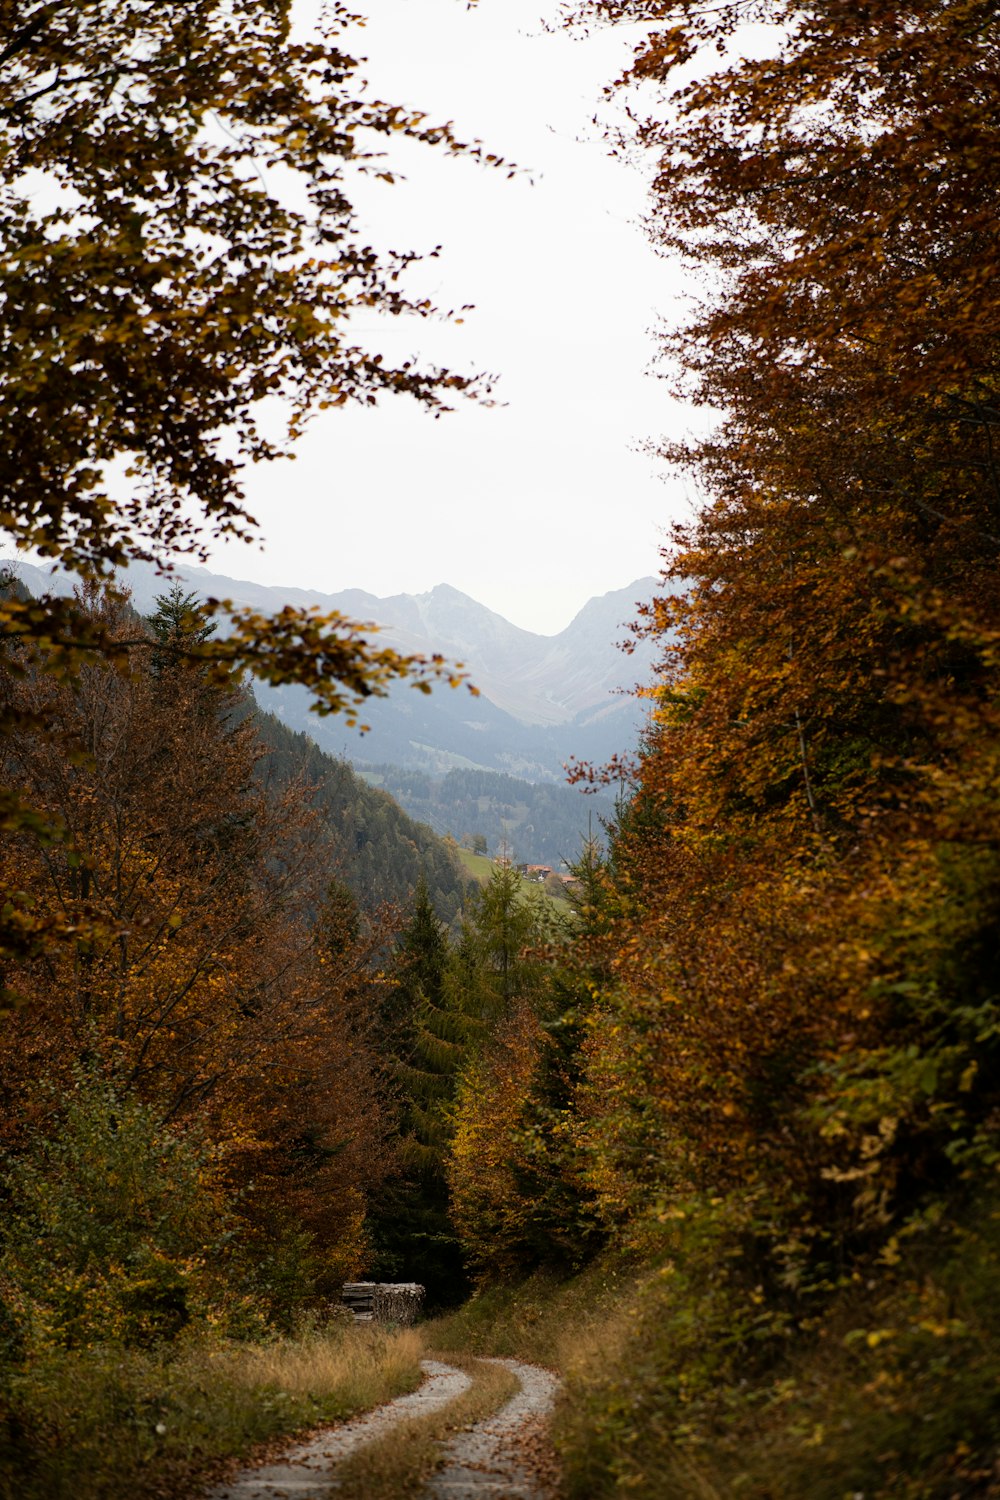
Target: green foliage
[[180, 618], [117, 1228], [427, 1045], [422, 953], [889, 1392], [684, 1374], [460, 1031], [501, 924]]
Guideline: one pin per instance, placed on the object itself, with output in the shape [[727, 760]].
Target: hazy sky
[[537, 505]]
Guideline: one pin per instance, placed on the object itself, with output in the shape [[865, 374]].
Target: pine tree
[[501, 925], [179, 618], [428, 1038]]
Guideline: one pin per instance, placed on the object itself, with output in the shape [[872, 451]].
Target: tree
[[177, 244], [520, 1165], [162, 286], [178, 621], [117, 1228], [194, 964], [387, 868], [500, 926], [426, 1040], [825, 755], [422, 960]]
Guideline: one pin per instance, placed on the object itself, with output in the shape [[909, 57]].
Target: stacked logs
[[384, 1301]]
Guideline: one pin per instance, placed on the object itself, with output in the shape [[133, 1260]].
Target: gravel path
[[304, 1472], [498, 1458]]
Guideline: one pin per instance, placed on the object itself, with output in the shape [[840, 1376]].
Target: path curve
[[305, 1471], [489, 1461]]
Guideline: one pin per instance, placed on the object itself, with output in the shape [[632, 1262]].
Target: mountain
[[544, 700]]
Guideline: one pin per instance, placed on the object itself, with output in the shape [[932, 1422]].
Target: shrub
[[117, 1227]]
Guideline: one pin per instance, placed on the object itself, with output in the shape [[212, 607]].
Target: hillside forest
[[530, 822], [720, 1139]]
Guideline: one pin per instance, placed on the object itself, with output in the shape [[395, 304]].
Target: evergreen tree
[[501, 924], [428, 1039], [179, 618], [179, 625], [339, 923]]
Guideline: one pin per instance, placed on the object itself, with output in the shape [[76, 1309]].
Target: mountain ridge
[[543, 699]]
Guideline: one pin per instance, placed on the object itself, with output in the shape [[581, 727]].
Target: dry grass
[[110, 1423], [400, 1463], [356, 1365]]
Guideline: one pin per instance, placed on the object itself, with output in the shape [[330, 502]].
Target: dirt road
[[307, 1471], [503, 1457]]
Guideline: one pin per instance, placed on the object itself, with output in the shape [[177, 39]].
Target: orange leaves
[[491, 1154], [186, 959]]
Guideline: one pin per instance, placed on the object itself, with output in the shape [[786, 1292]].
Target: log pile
[[384, 1301]]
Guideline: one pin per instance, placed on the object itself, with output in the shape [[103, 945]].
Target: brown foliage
[[803, 1002], [189, 964]]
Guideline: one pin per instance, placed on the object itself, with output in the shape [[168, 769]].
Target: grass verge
[[400, 1463], [106, 1424]]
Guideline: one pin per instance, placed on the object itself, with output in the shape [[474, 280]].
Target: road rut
[[496, 1459], [493, 1459], [307, 1471]]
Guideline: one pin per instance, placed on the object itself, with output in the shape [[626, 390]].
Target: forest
[[721, 1143]]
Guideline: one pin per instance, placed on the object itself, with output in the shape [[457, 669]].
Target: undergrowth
[[109, 1423], [686, 1377]]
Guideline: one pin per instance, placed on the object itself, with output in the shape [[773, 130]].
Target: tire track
[[491, 1461], [307, 1471]]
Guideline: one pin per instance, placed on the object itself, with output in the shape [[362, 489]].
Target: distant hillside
[[543, 700], [540, 823], [375, 848]]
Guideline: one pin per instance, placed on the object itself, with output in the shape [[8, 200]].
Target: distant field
[[477, 864], [480, 868]]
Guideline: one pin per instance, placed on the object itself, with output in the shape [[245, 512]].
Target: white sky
[[534, 507]]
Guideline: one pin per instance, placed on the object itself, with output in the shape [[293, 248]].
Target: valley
[[492, 763]]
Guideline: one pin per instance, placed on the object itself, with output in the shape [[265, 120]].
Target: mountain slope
[[544, 700], [374, 847], [536, 823]]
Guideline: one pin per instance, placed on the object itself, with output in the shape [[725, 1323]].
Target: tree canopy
[[178, 248], [178, 245]]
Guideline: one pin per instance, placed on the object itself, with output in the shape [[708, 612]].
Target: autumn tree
[[200, 977], [800, 1009], [522, 1193], [165, 281], [177, 244]]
